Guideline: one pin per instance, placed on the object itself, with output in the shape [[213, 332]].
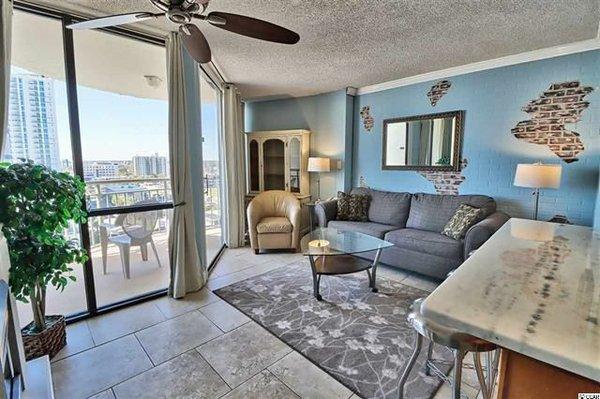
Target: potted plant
[[37, 206]]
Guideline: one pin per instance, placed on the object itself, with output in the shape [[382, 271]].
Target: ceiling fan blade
[[195, 43], [252, 27], [113, 20]]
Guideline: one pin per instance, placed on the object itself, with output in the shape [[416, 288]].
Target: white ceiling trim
[[550, 52]]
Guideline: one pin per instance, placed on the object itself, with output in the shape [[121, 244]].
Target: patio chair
[[132, 229]]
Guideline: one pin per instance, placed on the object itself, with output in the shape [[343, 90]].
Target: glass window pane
[[38, 127], [129, 253], [123, 113], [38, 120], [210, 97]]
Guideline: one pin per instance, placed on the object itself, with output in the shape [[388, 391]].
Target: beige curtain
[[188, 272], [232, 154], [5, 42]]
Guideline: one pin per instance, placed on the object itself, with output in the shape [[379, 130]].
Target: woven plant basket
[[47, 342]]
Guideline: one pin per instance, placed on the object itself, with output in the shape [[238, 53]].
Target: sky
[[117, 127]]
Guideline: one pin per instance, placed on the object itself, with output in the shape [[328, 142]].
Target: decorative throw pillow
[[464, 217], [354, 207]]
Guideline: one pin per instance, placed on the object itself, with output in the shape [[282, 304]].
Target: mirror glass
[[425, 142]]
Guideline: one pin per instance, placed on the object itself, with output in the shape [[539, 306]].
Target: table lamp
[[317, 164], [537, 176]]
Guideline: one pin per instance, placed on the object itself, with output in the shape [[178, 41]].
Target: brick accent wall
[[562, 103], [437, 91], [446, 182]]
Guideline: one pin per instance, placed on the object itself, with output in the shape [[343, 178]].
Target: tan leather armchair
[[274, 221]]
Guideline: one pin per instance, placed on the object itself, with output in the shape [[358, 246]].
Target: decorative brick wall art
[[446, 182], [561, 103], [437, 91], [367, 118]]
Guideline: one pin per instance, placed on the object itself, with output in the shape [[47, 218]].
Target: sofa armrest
[[482, 231], [325, 211]]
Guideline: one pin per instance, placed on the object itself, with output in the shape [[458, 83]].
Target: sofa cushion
[[464, 217], [353, 207], [274, 225], [373, 229], [432, 211], [387, 207], [428, 242]]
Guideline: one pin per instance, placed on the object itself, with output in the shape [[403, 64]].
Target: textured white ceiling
[[358, 42]]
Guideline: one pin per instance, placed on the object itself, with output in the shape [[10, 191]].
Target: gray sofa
[[413, 222]]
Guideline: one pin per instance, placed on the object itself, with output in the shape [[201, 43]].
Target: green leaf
[[37, 205]]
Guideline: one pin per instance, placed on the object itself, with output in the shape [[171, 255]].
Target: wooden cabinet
[[277, 160]]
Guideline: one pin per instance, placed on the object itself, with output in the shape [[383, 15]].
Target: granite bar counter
[[534, 289]]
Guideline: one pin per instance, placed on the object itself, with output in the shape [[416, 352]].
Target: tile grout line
[[246, 380], [216, 372], [130, 377], [283, 382]]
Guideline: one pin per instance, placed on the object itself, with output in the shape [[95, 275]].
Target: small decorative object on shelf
[[38, 204]]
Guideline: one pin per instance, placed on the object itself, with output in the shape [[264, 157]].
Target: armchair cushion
[[274, 225], [269, 209]]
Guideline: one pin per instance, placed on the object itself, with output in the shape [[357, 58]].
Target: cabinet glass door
[[274, 164], [254, 166], [294, 164]]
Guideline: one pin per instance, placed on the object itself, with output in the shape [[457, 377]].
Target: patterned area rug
[[360, 338]]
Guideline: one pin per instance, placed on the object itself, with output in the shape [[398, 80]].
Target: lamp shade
[[316, 164], [538, 175]]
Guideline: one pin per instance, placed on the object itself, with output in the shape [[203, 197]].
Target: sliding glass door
[[210, 97], [95, 104], [38, 127], [123, 118]]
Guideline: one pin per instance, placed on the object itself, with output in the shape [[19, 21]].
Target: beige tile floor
[[112, 287], [199, 347]]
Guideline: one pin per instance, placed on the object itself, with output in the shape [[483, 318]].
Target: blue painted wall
[[492, 100], [597, 212], [329, 118]]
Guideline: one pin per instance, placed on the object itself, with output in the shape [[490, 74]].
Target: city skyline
[[130, 126]]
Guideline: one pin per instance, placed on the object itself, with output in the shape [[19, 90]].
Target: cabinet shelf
[[277, 159]]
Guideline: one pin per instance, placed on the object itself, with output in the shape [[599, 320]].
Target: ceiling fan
[[183, 12]]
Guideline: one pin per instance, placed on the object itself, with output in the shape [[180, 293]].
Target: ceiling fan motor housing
[[179, 16]]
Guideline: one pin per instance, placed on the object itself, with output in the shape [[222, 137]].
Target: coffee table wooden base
[[341, 264]]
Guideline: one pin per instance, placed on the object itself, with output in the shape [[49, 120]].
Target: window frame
[[76, 151]]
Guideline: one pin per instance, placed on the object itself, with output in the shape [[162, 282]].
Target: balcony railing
[[113, 193]]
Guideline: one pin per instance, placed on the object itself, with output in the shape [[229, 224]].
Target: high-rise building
[[152, 165], [93, 170], [32, 128]]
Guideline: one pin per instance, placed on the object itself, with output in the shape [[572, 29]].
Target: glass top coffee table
[[332, 251]]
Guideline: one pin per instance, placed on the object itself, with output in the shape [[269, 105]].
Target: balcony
[[151, 274]]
